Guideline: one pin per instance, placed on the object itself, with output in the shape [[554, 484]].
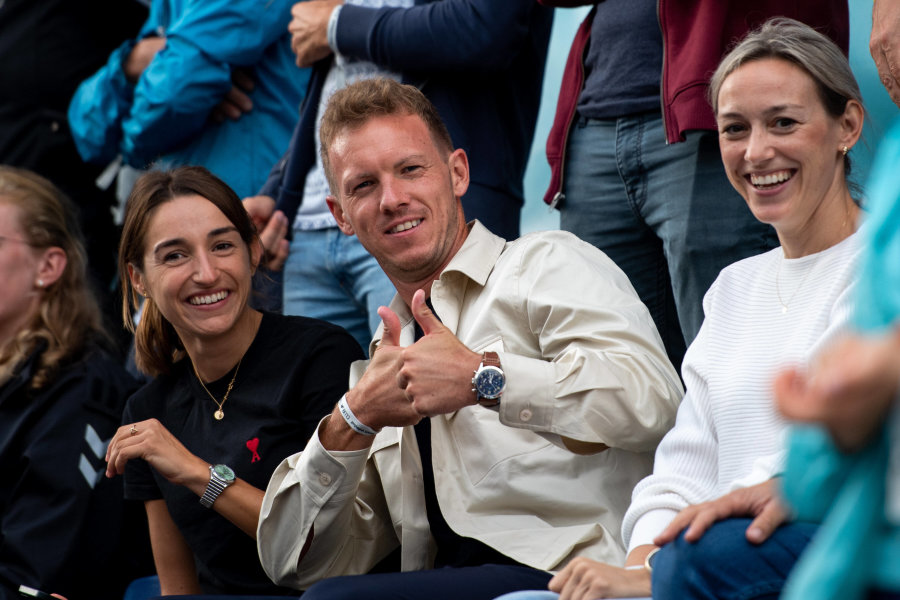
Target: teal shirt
[[878, 305], [856, 548]]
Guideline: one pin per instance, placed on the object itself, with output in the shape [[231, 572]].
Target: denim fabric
[[530, 595], [538, 595], [666, 214], [469, 583], [723, 565], [330, 276], [142, 588]]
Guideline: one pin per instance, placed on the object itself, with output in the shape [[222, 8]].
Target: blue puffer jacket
[[165, 116]]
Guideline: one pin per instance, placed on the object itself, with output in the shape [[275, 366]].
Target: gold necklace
[[784, 305], [219, 414]]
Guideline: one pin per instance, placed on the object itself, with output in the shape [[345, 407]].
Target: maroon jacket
[[696, 34]]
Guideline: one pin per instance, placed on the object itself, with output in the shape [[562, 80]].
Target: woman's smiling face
[[780, 147], [196, 267]]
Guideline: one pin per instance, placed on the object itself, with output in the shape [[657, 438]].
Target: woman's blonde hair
[[68, 313], [800, 44], [157, 346]]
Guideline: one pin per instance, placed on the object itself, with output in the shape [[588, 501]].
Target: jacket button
[[525, 415], [325, 479], [54, 126]]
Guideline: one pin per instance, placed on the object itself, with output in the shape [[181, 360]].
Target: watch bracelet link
[[215, 487]]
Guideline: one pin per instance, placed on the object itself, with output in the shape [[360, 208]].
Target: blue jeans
[[537, 595], [723, 565], [464, 583], [330, 276], [665, 214], [530, 595]]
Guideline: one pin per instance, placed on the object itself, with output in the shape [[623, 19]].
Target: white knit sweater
[[728, 433]]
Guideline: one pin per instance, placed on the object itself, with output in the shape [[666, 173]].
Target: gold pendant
[[219, 415]]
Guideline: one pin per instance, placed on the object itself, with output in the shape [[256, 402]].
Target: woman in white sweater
[[788, 110]]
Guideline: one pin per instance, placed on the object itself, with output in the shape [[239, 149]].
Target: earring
[[845, 150], [40, 283]]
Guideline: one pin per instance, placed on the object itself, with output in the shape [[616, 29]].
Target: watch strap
[[215, 487], [488, 359]]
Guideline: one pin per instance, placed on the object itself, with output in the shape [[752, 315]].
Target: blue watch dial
[[490, 382]]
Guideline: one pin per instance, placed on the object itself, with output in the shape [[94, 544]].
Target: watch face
[[490, 382], [224, 472]]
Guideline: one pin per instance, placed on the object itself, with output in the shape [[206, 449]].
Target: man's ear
[[51, 265], [459, 171], [338, 212]]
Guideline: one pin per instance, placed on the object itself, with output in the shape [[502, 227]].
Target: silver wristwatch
[[489, 381], [220, 477]]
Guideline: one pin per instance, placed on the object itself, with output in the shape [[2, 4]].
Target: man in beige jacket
[[516, 392]]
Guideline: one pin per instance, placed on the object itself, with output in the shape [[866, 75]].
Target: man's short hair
[[353, 106]]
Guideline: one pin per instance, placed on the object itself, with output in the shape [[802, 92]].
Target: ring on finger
[[133, 430]]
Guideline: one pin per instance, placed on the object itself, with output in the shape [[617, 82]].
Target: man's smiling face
[[399, 193]]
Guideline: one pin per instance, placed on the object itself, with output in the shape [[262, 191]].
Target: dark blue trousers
[[463, 583]]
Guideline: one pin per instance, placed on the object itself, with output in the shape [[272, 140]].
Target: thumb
[[391, 336], [423, 315], [772, 515]]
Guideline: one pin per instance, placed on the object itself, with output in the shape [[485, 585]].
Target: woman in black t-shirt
[[233, 386]]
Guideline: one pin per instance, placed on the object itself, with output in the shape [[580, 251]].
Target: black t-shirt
[[291, 376]]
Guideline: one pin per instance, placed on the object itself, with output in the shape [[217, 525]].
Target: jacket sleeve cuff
[[527, 402], [352, 31], [331, 473], [331, 31]]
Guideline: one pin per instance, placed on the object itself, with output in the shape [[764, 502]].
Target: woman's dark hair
[[157, 346]]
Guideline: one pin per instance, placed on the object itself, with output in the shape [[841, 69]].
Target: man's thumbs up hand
[[437, 370], [377, 400], [391, 334], [426, 319]]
